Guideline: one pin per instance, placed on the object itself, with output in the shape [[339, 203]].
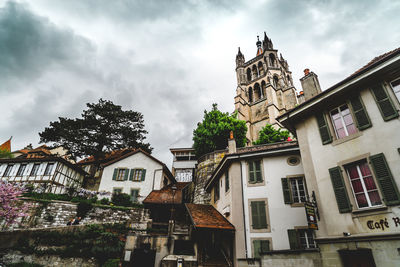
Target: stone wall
[[292, 259], [205, 168], [58, 213]]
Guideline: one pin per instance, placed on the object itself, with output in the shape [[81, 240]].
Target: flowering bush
[[11, 207]]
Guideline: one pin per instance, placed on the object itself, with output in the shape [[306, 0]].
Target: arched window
[[276, 81], [263, 89], [260, 68], [288, 80], [255, 71], [257, 92], [272, 60], [248, 74], [250, 95]]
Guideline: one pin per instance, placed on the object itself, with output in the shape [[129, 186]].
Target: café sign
[[311, 216]]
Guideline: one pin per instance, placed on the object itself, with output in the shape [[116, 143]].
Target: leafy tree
[[269, 134], [5, 154], [213, 132], [11, 207], [104, 127]]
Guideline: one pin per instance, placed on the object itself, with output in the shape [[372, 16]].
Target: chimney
[[310, 84], [231, 144]]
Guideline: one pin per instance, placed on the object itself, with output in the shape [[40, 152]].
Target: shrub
[[105, 201], [83, 208], [121, 199], [111, 263]]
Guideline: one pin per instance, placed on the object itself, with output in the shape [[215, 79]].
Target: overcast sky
[[169, 60]]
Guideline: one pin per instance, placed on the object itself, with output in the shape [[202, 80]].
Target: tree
[[11, 207], [213, 132], [269, 134], [5, 154], [104, 127]]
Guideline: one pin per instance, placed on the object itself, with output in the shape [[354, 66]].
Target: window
[[49, 168], [258, 214], [396, 88], [35, 169], [260, 247], [216, 192], [117, 190], [21, 169], [294, 190], [227, 181], [363, 185], [343, 121], [121, 174], [301, 239], [7, 172], [384, 102], [255, 175], [137, 175], [134, 195]]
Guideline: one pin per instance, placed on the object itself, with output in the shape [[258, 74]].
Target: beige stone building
[[350, 147], [264, 88]]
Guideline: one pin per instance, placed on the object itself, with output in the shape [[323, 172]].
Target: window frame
[[46, 171], [217, 192], [267, 218], [306, 232], [19, 172], [261, 171], [34, 171], [137, 195], [117, 190], [137, 175], [8, 170], [296, 178], [397, 95], [354, 123], [121, 174], [255, 239]]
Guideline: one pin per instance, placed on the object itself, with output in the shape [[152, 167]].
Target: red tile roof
[[378, 59], [166, 195], [116, 154], [206, 216]]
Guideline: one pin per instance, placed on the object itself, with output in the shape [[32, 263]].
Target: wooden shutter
[[126, 175], [257, 248], [254, 215], [132, 172], [384, 102], [287, 195], [362, 119], [143, 174], [293, 239], [258, 215], [258, 174], [385, 179], [264, 245], [263, 214], [115, 174], [339, 188], [324, 131], [252, 178]]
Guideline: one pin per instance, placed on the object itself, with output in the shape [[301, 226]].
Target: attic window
[[293, 161]]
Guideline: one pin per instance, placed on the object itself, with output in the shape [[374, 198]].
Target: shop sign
[[311, 215]]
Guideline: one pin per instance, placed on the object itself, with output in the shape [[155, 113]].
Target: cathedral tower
[[264, 88]]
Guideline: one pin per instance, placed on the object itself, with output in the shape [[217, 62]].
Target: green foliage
[[111, 263], [5, 154], [121, 199], [104, 127], [269, 134], [83, 208], [24, 264], [213, 132], [104, 201]]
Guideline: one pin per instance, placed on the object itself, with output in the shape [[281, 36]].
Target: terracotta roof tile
[[108, 156], [165, 195], [377, 59], [206, 216]]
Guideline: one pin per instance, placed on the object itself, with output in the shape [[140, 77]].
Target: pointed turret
[[267, 43], [239, 59]]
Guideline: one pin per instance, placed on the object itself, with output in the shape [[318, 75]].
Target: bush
[[111, 263], [24, 264], [105, 201], [83, 208], [121, 199]]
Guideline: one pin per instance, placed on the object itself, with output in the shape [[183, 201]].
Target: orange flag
[[6, 146]]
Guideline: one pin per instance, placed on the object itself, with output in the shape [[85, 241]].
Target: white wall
[[152, 181]]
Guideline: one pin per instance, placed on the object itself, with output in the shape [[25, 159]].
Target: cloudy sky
[[169, 60]]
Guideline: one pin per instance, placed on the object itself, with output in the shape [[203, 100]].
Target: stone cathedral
[[264, 88]]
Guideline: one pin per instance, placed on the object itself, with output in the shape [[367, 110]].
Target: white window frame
[[8, 170], [365, 191], [306, 237], [34, 171], [137, 175], [48, 171], [121, 174], [342, 120], [296, 179], [21, 173]]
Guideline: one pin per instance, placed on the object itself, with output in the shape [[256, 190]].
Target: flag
[[6, 146]]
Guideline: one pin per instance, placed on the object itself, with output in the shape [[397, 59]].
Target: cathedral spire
[[259, 48], [239, 58]]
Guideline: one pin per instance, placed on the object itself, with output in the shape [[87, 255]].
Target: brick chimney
[[310, 84], [231, 144]]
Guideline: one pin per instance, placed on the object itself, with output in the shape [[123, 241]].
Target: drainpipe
[[244, 215], [154, 177]]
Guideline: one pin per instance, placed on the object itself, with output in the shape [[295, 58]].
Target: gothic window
[[289, 81], [255, 71], [250, 95], [263, 89], [248, 74], [272, 60], [276, 81], [260, 68], [257, 92]]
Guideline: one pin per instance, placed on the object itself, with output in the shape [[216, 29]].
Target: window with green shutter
[[385, 179], [340, 190], [384, 102], [323, 127], [362, 119], [255, 173], [258, 215], [260, 247], [287, 195]]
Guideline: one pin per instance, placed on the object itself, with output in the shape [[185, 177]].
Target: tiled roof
[[108, 156], [166, 195], [377, 59], [206, 216]]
